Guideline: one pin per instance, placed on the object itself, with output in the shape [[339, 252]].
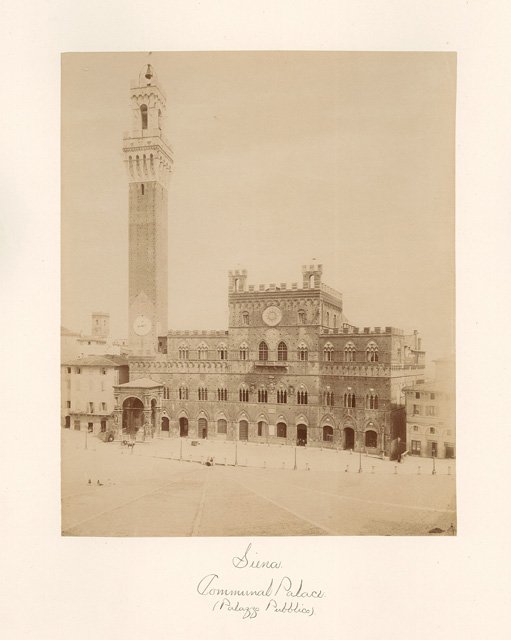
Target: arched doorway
[[328, 433], [243, 430], [165, 424], [67, 424], [132, 416], [301, 435], [203, 428], [281, 430], [183, 427], [371, 439], [349, 438]]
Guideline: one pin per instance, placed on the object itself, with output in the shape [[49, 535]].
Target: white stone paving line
[[124, 504], [293, 513], [377, 502]]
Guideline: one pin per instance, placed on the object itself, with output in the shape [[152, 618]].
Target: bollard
[[395, 469], [347, 467], [418, 471], [307, 468]]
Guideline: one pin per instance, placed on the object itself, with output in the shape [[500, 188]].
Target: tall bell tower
[[148, 160]]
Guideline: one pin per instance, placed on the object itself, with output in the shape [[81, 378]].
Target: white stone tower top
[[147, 154]]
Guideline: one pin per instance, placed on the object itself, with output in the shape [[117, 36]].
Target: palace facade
[[289, 369]]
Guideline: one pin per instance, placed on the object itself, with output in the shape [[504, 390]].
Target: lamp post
[[180, 449], [359, 456], [294, 468], [235, 447], [433, 472], [86, 432]]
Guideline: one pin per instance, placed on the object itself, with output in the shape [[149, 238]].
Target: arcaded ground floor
[[163, 488]]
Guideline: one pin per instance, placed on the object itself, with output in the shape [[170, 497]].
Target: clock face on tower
[[272, 316], [142, 325]]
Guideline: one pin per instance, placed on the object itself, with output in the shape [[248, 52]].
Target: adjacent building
[[87, 391], [430, 414]]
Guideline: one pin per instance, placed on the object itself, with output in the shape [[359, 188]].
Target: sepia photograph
[[258, 294]]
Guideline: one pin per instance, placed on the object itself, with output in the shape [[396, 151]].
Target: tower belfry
[[148, 160]]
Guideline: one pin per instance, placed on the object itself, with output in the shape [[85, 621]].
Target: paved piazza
[[150, 492]]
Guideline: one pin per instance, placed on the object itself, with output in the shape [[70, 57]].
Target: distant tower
[[237, 280], [312, 275], [148, 160], [100, 324]]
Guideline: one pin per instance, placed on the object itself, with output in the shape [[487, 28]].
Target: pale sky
[[278, 158]]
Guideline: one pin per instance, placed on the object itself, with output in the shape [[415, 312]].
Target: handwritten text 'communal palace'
[[279, 594]]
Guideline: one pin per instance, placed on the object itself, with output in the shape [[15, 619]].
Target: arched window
[[281, 430], [263, 351], [143, 115], [303, 352], [282, 352], [222, 352], [281, 396], [203, 393], [183, 392], [142, 189], [262, 395], [244, 351], [301, 317], [328, 352], [349, 352], [222, 394], [183, 352], [328, 434], [371, 439], [301, 396], [372, 401], [261, 428], [372, 352], [245, 318], [327, 319], [166, 393], [349, 400], [329, 398], [221, 426], [202, 351], [243, 394], [335, 321]]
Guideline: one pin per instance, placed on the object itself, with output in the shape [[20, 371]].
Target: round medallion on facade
[[272, 316]]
